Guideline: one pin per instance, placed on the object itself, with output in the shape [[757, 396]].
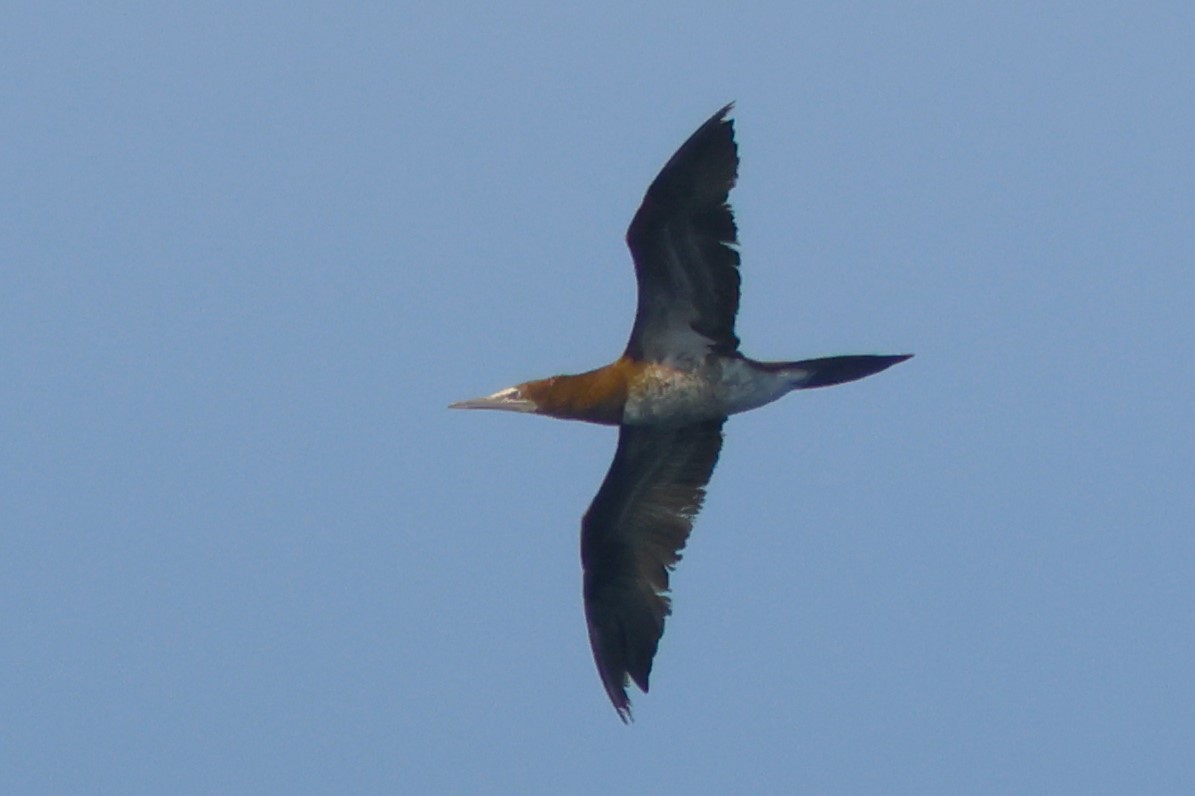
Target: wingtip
[[723, 116], [618, 698]]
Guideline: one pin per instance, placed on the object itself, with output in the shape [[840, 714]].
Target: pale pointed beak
[[510, 400]]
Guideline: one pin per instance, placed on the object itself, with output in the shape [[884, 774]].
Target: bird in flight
[[670, 392]]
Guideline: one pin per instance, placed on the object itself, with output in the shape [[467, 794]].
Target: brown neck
[[597, 396]]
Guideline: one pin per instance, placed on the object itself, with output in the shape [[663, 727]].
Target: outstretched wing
[[683, 241], [631, 537]]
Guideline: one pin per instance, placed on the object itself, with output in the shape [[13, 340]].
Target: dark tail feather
[[809, 373]]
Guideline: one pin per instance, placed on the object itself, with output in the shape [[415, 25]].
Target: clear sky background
[[250, 252]]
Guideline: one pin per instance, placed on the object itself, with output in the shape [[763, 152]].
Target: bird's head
[[596, 396], [512, 399]]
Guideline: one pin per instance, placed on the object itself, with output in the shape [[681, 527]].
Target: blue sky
[[251, 252]]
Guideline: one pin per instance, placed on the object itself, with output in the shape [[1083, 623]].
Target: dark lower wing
[[631, 537]]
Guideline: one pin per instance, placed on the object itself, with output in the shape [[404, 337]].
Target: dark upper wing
[[632, 536], [683, 241]]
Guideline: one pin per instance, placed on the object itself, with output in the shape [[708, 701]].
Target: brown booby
[[670, 393]]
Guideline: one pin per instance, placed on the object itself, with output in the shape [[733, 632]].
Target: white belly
[[670, 395]]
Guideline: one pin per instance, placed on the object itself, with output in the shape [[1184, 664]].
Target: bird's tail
[[809, 373]]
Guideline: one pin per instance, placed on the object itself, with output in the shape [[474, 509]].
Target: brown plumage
[[597, 396], [670, 393]]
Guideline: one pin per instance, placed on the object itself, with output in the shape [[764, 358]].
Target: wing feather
[[631, 538], [683, 240]]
